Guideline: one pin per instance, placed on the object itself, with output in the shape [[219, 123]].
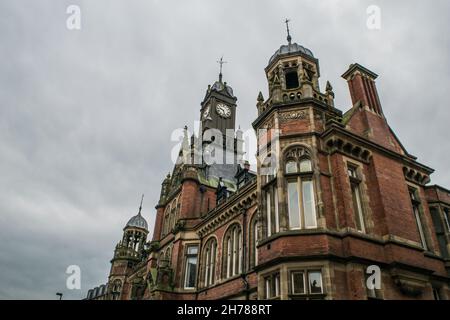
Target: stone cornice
[[323, 106]]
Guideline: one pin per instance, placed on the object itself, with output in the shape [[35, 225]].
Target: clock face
[[206, 113], [223, 110]]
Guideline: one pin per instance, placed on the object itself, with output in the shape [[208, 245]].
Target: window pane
[[419, 226], [192, 250], [352, 172], [191, 271], [357, 208], [447, 219], [239, 252], [298, 283], [294, 208], [256, 242], [277, 285], [269, 214], [213, 263], [309, 207], [291, 167], [267, 285], [229, 257], [305, 165], [277, 218], [207, 267], [235, 251], [315, 282]]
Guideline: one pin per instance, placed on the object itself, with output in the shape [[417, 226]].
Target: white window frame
[[186, 269]]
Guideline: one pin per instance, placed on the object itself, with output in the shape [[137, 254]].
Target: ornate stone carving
[[268, 125], [293, 115], [297, 153], [179, 226]]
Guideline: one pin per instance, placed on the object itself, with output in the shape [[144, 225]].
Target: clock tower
[[218, 108], [218, 127]]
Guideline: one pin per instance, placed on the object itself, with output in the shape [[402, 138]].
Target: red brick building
[[334, 196]]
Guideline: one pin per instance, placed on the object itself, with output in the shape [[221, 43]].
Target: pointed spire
[[260, 97], [186, 136], [140, 207], [289, 38]]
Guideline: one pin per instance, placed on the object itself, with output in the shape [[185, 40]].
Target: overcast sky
[[86, 115]]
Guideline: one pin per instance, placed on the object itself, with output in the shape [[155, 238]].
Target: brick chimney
[[361, 82]]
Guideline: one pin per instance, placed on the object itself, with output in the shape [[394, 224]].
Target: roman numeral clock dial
[[223, 110]]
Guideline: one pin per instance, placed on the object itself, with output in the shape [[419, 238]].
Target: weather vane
[[287, 28], [221, 62]]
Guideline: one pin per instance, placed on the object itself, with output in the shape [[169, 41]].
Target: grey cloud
[[86, 116]]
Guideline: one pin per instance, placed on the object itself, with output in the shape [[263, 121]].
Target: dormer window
[[291, 79]]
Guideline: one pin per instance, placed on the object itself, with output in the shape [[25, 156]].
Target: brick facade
[[359, 197]]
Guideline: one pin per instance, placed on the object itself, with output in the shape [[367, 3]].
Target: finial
[[221, 62], [260, 97], [287, 28], [140, 207], [329, 87]]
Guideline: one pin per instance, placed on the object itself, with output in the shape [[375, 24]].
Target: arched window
[[116, 289], [166, 222], [300, 189], [232, 260], [254, 240], [209, 262]]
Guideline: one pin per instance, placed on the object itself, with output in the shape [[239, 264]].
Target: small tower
[[128, 252], [218, 108], [289, 122], [218, 130]]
